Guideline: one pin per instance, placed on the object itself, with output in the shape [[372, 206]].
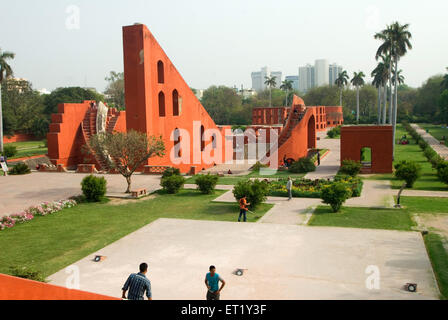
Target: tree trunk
[[395, 104], [1, 120], [390, 94], [385, 103], [379, 104], [270, 97], [357, 105], [340, 97], [128, 180]]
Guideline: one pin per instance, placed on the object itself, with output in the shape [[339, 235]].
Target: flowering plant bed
[[43, 209], [305, 188]]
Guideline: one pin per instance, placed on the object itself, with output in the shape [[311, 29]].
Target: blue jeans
[[243, 212]]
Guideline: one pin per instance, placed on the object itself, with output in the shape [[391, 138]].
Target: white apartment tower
[[306, 78], [259, 78], [321, 71], [335, 71]]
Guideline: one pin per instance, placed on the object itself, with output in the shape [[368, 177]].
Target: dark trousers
[[212, 295], [243, 213]]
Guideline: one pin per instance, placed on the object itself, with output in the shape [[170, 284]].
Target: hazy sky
[[216, 42]]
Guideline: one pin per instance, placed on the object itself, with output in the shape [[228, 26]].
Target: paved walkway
[[329, 165], [441, 149], [21, 192]]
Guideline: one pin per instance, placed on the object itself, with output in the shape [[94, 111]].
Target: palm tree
[[378, 83], [445, 81], [286, 86], [358, 81], [5, 72], [399, 76], [341, 82], [381, 76], [271, 83], [398, 39]]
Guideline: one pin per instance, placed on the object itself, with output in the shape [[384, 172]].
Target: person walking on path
[[289, 188], [212, 280], [243, 209], [137, 284], [318, 158]]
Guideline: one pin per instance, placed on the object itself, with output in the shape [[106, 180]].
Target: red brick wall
[[19, 137], [335, 116], [378, 138]]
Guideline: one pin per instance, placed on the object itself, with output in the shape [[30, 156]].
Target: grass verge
[[439, 260], [50, 243]]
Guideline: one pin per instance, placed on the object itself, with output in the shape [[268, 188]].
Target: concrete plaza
[[21, 192], [282, 261]]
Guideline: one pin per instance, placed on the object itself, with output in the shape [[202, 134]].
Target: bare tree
[[126, 151]]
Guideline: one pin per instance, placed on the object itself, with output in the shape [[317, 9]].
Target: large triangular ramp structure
[[159, 101]]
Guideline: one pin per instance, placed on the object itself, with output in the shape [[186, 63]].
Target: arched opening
[[202, 138], [175, 103], [312, 133], [160, 72], [177, 145], [161, 104], [214, 142], [366, 157]]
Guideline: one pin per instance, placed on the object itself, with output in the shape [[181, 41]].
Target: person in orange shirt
[[243, 209]]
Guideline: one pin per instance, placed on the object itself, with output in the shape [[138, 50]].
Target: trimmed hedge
[[94, 188], [206, 183], [172, 184]]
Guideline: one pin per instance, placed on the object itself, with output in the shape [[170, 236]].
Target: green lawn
[[365, 218], [436, 131], [412, 152], [48, 244], [425, 205], [439, 260], [28, 149]]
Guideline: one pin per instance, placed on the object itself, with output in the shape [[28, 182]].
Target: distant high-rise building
[[335, 71], [294, 80], [259, 78], [321, 73], [306, 78]]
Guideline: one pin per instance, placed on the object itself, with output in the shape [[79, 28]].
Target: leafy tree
[[126, 151], [336, 194], [380, 76], [69, 95], [427, 98], [444, 83], [358, 81], [255, 191], [443, 106], [23, 108], [408, 171], [341, 82], [223, 103], [5, 72], [271, 82], [115, 90]]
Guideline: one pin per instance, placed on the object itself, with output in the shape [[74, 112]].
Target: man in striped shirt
[[137, 284]]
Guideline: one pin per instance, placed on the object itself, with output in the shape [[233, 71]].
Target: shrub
[[25, 273], [436, 160], [9, 151], [206, 183], [303, 165], [442, 171], [94, 188], [335, 195], [331, 134], [423, 144], [172, 184], [171, 172], [408, 171], [350, 168], [256, 167], [256, 191], [19, 169]]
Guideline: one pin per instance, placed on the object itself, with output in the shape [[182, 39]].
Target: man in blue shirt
[[212, 282], [137, 284]]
